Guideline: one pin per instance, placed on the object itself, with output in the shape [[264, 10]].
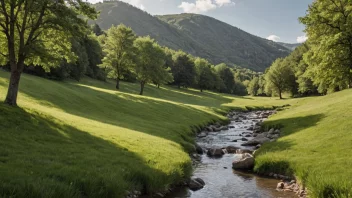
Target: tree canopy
[[38, 33]]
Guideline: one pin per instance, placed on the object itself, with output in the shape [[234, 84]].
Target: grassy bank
[[69, 139], [316, 144]]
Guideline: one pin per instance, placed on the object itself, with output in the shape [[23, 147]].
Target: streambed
[[220, 179]]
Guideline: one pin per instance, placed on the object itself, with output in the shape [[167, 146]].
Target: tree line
[[52, 40], [323, 64]]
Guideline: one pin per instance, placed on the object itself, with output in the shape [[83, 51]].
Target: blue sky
[[273, 19]]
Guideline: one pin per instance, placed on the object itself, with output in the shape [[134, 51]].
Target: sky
[[275, 20]]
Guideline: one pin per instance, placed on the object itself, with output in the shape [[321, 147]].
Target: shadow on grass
[[41, 157], [158, 118], [171, 93], [288, 126], [293, 125]]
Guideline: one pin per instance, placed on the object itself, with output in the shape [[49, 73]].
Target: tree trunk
[[280, 94], [12, 91], [142, 88], [158, 86], [201, 90], [118, 83]]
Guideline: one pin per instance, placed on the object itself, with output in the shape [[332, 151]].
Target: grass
[[70, 139], [316, 144]]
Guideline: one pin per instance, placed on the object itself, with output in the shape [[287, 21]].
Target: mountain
[[290, 46], [198, 35]]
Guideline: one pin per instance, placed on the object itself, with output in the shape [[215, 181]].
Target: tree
[[253, 86], [165, 75], [38, 33], [95, 54], [183, 69], [97, 30], [118, 51], [227, 77], [329, 58], [278, 78], [205, 77], [150, 61]]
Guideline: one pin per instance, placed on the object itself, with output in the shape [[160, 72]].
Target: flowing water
[[221, 180]]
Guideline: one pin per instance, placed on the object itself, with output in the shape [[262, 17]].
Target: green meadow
[[74, 139], [316, 144]]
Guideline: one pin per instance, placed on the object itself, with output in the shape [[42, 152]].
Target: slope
[[198, 35], [226, 43], [86, 139], [316, 144]]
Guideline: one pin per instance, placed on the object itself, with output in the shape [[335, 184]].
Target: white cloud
[[302, 39], [224, 2], [203, 5], [273, 38]]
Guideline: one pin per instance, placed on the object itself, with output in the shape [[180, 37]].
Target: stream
[[219, 177]]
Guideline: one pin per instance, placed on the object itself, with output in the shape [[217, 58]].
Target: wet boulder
[[215, 152], [199, 149], [245, 162], [202, 134], [243, 151], [231, 149], [196, 184], [257, 140], [209, 129]]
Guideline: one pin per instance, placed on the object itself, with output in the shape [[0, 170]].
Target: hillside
[[198, 35], [86, 139], [315, 146]]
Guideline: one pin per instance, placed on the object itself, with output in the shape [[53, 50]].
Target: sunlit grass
[[316, 144], [73, 139]]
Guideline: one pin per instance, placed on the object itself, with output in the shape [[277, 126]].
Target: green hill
[[198, 35], [70, 139], [86, 139], [316, 144]]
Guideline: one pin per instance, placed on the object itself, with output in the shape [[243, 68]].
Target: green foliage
[[150, 62], [253, 87], [205, 75], [329, 28], [118, 51], [183, 69], [279, 78], [227, 77], [198, 35], [39, 33], [97, 30]]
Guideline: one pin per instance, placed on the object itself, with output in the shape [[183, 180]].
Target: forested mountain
[[291, 46], [198, 35]]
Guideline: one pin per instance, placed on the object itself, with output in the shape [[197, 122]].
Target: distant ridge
[[198, 35]]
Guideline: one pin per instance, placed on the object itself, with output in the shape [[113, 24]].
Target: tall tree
[[205, 78], [253, 86], [165, 75], [183, 69], [227, 77], [118, 51], [38, 33], [278, 78], [150, 61], [329, 28]]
